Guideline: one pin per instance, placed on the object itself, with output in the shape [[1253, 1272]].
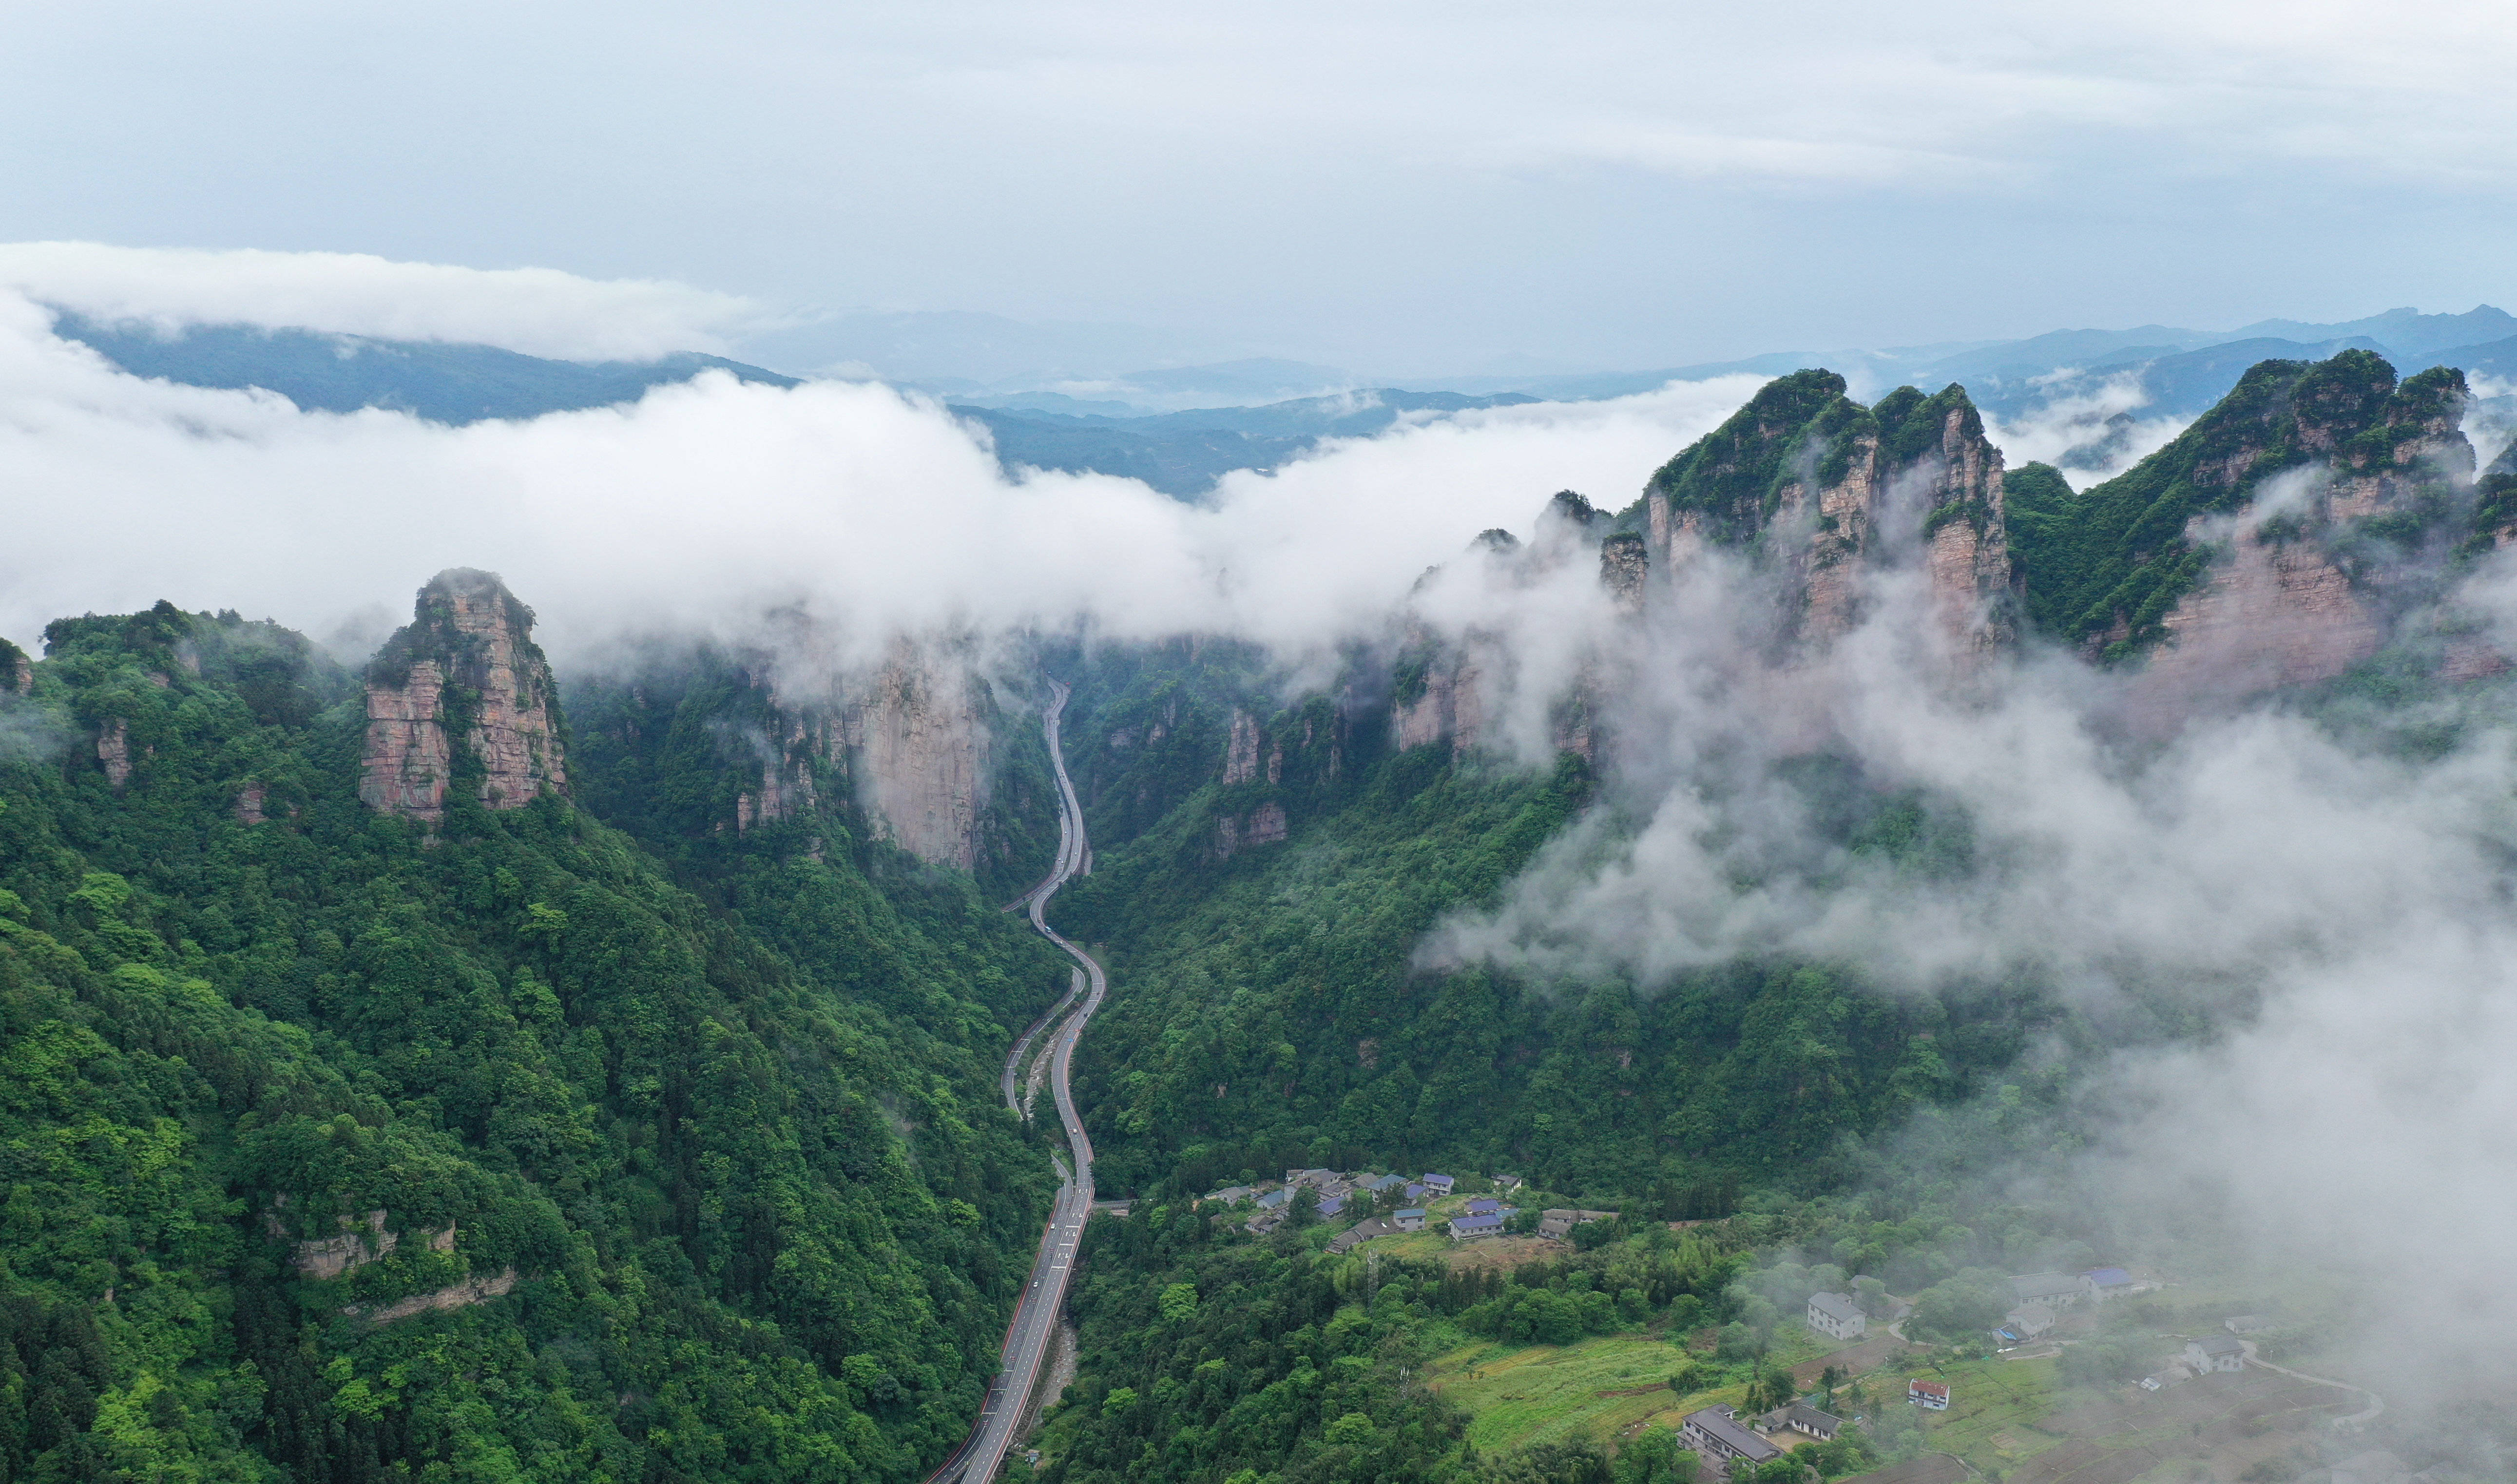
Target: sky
[[1400, 188]]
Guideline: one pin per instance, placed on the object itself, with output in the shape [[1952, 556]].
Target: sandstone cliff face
[[1448, 705], [922, 755], [1263, 825], [458, 1295], [1832, 493], [114, 751], [2296, 589], [467, 659], [409, 759], [1241, 753], [1625, 564]]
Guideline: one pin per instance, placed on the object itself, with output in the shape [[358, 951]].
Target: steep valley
[[465, 1068]]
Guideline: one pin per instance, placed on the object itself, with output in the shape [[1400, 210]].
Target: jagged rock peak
[[1829, 488], [465, 665], [2354, 444], [1624, 565]]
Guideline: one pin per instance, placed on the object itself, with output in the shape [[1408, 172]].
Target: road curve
[[1035, 1319]]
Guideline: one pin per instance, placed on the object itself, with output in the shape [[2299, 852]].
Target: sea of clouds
[[2342, 916]]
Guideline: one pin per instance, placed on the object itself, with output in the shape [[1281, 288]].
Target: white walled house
[[2215, 1352], [1836, 1314]]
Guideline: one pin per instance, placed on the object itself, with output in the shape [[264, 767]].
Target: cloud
[[2301, 943], [2092, 433], [1709, 153], [2342, 915], [535, 310], [709, 503]]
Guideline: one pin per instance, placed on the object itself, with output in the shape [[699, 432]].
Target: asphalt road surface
[[1035, 1320]]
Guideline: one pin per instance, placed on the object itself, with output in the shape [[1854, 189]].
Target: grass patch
[[1995, 1409], [1600, 1388]]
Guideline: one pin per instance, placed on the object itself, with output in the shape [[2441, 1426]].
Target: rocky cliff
[[1457, 688], [921, 753], [1828, 494], [2273, 544], [461, 695], [911, 739]]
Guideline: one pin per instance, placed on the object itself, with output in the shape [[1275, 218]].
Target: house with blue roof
[[1466, 1228], [1411, 1219], [2104, 1283]]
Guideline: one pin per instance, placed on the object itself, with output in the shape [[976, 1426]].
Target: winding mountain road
[[1035, 1319]]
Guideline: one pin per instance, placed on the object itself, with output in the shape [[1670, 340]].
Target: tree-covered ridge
[[1273, 1012], [1802, 428], [2109, 564], [708, 1184], [2494, 509], [1732, 478], [1208, 1356]]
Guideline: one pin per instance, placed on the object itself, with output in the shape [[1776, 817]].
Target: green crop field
[[1994, 1409], [1516, 1395]]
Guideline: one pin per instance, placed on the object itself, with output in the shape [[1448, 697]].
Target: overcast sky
[[1396, 187]]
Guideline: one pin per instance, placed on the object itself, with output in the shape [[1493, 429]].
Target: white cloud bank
[[535, 310], [710, 502]]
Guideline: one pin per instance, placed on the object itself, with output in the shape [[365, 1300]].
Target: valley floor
[[2009, 1419]]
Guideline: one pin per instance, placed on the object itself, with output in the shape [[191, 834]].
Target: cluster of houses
[[2040, 1299], [1722, 1437], [1337, 1190]]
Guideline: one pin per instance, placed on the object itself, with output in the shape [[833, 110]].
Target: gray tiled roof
[[1839, 1307], [1718, 1422]]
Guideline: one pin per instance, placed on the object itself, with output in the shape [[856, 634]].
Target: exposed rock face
[[409, 760], [2304, 494], [114, 751], [1265, 826], [248, 804], [471, 1290], [17, 668], [1241, 753], [1830, 492], [467, 659], [1449, 705], [2276, 614], [922, 753], [326, 1257], [1623, 564]]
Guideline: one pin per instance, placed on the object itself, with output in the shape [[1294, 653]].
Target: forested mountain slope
[[342, 1147]]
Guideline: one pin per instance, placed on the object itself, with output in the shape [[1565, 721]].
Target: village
[[2203, 1402], [1371, 1204]]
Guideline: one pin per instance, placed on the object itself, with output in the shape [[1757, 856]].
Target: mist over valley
[[1097, 745]]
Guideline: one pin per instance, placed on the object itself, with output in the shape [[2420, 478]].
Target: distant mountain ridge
[[1184, 453], [441, 382], [2095, 382]]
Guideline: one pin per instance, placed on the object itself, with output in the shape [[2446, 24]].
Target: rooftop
[[2107, 1277], [1476, 1223], [1719, 1422], [1839, 1307]]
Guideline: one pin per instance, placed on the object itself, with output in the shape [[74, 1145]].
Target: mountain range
[[1181, 428], [458, 1068]]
